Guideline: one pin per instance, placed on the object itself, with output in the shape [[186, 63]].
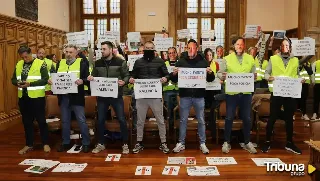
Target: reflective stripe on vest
[[233, 66], [317, 73], [34, 74], [304, 74], [278, 68]]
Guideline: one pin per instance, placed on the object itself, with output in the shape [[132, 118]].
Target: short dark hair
[[108, 43], [207, 50], [286, 39], [192, 41], [174, 48], [234, 41], [24, 49]]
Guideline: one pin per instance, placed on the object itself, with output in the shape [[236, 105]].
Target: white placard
[[208, 44], [184, 33], [252, 31], [80, 39], [221, 161], [52, 120], [303, 47], [31, 162], [207, 34], [203, 171], [42, 167], [170, 68], [241, 82], [75, 149], [180, 46], [104, 87], [133, 40], [192, 78], [279, 34], [98, 54], [214, 85], [143, 170], [112, 36], [64, 83], [287, 87], [70, 167], [113, 157], [162, 44], [181, 161], [260, 162], [147, 88], [132, 59], [171, 170]]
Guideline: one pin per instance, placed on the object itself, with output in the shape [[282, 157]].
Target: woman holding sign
[[282, 64], [238, 63]]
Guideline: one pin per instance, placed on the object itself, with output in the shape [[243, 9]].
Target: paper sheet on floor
[[171, 170], [70, 167], [203, 171], [42, 167], [221, 161], [181, 161], [262, 161], [143, 170], [31, 161], [113, 157]]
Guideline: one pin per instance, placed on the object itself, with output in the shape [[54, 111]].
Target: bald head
[[40, 53]]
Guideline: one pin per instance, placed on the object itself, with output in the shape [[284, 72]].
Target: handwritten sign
[[132, 59], [64, 83], [241, 82], [133, 40], [203, 171], [303, 47], [112, 36], [147, 88], [221, 161], [98, 54], [207, 34], [252, 31], [184, 33], [214, 85], [192, 78], [279, 34], [162, 44], [209, 44], [180, 46], [104, 87], [287, 87], [79, 39]]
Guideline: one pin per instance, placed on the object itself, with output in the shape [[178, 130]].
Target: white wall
[[52, 13], [151, 23], [273, 14]]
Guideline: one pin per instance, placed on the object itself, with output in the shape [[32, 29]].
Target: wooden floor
[[13, 139]]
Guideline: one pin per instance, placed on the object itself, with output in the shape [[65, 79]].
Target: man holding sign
[[73, 101], [282, 65], [150, 67], [192, 95], [112, 67], [237, 66]]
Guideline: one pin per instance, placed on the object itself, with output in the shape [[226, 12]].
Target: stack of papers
[[39, 166], [181, 161], [203, 171], [70, 167]]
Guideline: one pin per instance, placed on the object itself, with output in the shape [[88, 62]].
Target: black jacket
[[198, 62], [78, 98], [114, 68], [154, 69]]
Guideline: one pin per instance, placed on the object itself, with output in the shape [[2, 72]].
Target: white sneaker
[[226, 147], [314, 116], [125, 149], [305, 117], [204, 148], [250, 148], [179, 147], [294, 117], [98, 148]]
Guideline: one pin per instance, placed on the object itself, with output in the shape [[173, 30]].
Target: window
[[206, 15], [99, 16]]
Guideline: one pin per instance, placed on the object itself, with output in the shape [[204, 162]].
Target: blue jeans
[[185, 105], [168, 99], [244, 103], [66, 120], [118, 106]]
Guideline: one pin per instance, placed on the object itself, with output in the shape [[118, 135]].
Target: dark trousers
[[316, 100], [244, 103], [118, 106], [33, 108], [302, 102], [289, 106], [212, 103]]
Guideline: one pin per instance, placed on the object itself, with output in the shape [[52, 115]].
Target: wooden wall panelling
[[172, 19], [131, 17], [233, 25], [15, 32]]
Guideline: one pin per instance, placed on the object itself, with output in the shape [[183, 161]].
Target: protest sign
[[132, 59], [64, 83], [162, 44], [80, 39], [192, 78], [147, 88], [104, 87], [240, 82], [252, 31], [287, 87], [303, 47]]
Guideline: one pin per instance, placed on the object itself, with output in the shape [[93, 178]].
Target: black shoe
[[291, 147], [137, 148], [164, 148], [64, 147], [85, 148], [266, 147]]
